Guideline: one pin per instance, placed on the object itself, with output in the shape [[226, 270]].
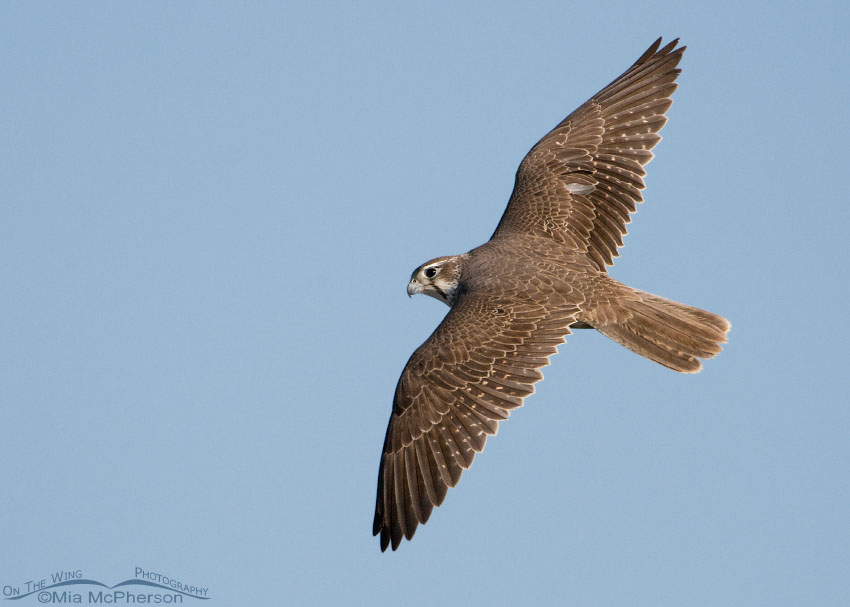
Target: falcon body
[[515, 298]]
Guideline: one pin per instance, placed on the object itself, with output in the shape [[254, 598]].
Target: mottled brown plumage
[[515, 298]]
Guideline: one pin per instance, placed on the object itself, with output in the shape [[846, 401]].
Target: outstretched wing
[[479, 363], [579, 184]]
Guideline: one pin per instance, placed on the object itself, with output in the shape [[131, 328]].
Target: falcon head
[[438, 278]]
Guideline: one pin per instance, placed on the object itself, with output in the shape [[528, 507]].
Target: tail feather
[[670, 333]]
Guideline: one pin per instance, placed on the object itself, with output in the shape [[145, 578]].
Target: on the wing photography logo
[[73, 588]]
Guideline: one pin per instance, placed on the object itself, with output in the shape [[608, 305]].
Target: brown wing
[[479, 363], [580, 183]]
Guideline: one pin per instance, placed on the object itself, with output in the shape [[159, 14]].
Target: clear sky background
[[208, 216]]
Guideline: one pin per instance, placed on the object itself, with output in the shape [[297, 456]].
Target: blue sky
[[208, 216]]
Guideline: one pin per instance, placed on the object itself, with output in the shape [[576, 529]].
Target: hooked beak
[[413, 287]]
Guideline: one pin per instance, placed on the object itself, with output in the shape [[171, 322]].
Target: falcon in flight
[[515, 298]]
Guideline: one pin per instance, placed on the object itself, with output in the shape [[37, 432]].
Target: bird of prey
[[515, 298]]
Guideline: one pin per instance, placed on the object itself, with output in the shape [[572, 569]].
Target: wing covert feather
[[449, 399], [580, 183]]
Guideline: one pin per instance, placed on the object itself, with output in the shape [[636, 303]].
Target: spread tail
[[670, 333]]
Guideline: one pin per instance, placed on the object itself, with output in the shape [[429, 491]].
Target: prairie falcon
[[515, 298]]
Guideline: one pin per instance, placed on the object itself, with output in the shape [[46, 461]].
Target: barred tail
[[670, 333]]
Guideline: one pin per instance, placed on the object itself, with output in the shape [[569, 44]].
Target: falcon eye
[[430, 272]]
